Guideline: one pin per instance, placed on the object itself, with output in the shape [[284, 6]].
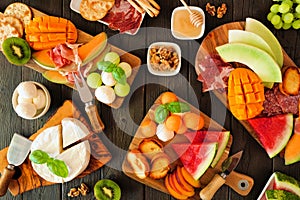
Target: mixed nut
[[163, 58], [221, 10]]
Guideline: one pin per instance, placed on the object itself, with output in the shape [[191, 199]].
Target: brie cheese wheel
[[76, 158]]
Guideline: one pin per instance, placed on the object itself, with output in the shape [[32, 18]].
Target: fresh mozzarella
[[73, 130]]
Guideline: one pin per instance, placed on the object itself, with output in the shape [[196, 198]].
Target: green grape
[[275, 19], [288, 2], [112, 57], [279, 25], [122, 90], [284, 8], [93, 80], [288, 18], [297, 15], [270, 15], [274, 8], [286, 26], [297, 9], [297, 1], [296, 24]]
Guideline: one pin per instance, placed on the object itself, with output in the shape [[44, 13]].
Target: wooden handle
[[209, 191], [186, 6], [240, 183], [5, 179], [94, 117]]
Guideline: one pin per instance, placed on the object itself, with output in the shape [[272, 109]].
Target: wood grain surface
[[29, 179], [121, 124], [217, 37]]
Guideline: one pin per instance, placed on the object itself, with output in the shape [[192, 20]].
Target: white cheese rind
[[72, 131]]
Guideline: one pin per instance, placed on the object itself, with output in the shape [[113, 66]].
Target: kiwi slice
[[16, 50], [106, 189]]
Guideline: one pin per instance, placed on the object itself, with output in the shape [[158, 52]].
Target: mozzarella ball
[[105, 94], [108, 79], [26, 110], [40, 100], [163, 133], [27, 90], [21, 99]]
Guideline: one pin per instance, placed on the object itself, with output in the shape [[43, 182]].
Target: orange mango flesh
[[245, 94], [48, 31]]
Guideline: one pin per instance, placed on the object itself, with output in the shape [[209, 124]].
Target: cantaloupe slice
[[292, 150], [86, 52], [55, 77]]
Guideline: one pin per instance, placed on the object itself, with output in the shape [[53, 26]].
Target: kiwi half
[[16, 50], [106, 189]]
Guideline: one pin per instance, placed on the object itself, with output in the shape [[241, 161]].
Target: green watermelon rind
[[221, 148], [286, 133], [288, 183], [280, 195], [205, 165]]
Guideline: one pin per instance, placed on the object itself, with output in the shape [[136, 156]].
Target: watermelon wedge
[[221, 137], [196, 158], [273, 132], [287, 183]]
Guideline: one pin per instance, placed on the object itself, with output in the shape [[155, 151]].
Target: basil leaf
[[39, 157], [103, 65], [178, 107], [160, 114], [110, 68], [119, 75], [58, 167]]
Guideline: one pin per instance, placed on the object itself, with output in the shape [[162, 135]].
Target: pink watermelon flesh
[[273, 132], [196, 158], [221, 137]]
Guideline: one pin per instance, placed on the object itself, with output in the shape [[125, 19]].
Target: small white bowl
[[164, 73], [40, 112], [268, 186], [178, 35]]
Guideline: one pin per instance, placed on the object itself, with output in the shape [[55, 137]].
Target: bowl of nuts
[[164, 58]]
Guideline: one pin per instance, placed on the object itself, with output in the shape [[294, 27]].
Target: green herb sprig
[[117, 72], [57, 167], [163, 110]]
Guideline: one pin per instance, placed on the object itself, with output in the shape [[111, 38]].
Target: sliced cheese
[[72, 131], [76, 157]]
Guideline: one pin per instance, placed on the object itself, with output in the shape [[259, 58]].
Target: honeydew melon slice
[[246, 37], [256, 59], [255, 26]]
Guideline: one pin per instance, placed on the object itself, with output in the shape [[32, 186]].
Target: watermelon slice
[[287, 183], [280, 195], [196, 158], [221, 137], [273, 132]]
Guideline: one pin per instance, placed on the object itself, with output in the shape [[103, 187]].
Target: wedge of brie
[[76, 158]]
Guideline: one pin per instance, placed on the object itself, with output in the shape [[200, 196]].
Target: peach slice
[[189, 178], [182, 181], [178, 185], [172, 191]]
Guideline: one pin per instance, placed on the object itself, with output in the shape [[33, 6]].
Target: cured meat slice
[[214, 73], [271, 105], [123, 17]]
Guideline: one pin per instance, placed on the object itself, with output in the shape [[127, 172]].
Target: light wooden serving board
[[29, 179], [217, 37], [83, 37], [159, 184]]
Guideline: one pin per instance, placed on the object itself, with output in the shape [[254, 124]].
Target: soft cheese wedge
[[76, 158]]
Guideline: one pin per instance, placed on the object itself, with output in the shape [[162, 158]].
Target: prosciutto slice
[[214, 73], [65, 54], [123, 17]]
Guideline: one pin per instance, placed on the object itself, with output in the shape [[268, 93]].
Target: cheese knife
[[87, 98], [17, 152], [219, 179]]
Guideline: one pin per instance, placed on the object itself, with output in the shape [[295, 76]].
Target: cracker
[[14, 22], [93, 10], [6, 31], [20, 11]]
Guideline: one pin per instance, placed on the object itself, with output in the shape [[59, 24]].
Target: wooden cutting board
[[217, 37], [83, 37], [29, 179], [159, 184]]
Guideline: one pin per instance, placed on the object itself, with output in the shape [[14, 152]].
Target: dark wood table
[[122, 123]]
